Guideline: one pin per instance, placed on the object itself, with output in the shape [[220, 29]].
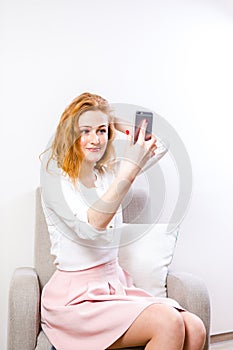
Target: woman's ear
[[109, 132]]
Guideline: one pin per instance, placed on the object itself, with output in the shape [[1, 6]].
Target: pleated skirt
[[92, 308]]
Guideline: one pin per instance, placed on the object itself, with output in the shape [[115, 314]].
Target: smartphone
[[139, 117]]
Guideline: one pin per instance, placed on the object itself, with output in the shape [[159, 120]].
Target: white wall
[[174, 57]]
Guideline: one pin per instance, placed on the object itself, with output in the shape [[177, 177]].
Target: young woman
[[90, 301]]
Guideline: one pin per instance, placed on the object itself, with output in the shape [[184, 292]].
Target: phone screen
[[139, 117]]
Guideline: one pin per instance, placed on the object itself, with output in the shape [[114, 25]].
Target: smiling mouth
[[93, 149]]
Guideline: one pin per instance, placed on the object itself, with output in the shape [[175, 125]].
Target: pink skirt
[[91, 309]]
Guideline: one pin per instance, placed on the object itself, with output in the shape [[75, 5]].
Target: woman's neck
[[87, 174]]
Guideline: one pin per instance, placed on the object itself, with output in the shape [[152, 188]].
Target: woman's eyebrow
[[89, 126], [101, 126]]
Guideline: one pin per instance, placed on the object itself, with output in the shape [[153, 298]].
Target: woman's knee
[[199, 328], [194, 329], [166, 319]]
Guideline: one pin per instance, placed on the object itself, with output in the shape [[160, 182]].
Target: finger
[[153, 147], [151, 143], [142, 132], [153, 139]]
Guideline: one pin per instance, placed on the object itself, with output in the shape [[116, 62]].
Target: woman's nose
[[94, 138]]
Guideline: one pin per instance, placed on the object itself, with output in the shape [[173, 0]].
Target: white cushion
[[147, 258]]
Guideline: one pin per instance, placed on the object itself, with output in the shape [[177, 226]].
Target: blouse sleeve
[[65, 209]]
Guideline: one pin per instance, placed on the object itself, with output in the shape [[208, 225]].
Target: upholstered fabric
[[24, 317], [43, 260]]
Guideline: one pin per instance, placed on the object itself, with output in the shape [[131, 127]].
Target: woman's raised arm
[[136, 156]]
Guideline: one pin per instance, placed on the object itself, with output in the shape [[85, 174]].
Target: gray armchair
[[24, 331]]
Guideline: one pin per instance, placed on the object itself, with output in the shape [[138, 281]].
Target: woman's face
[[93, 126]]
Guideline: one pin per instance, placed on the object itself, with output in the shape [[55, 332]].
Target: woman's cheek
[[82, 141], [105, 138]]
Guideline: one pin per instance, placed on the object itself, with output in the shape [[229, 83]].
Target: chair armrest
[[23, 315], [191, 293]]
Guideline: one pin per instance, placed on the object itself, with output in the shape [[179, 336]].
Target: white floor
[[226, 345]]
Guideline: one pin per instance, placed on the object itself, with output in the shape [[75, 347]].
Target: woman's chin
[[92, 157]]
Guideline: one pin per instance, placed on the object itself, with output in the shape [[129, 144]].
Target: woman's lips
[[95, 149]]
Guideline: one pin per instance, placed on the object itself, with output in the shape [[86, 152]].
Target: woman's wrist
[[102, 211], [128, 171]]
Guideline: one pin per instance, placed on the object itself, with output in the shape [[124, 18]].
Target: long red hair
[[65, 147]]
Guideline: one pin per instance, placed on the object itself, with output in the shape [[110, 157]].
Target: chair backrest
[[136, 209], [43, 260]]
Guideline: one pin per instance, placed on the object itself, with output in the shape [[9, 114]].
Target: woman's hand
[[137, 154]]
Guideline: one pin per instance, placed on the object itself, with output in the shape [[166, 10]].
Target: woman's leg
[[195, 333], [158, 327], [162, 327]]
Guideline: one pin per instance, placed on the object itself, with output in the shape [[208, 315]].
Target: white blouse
[[75, 244]]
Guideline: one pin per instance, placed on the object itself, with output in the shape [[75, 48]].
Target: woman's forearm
[[103, 210], [122, 125]]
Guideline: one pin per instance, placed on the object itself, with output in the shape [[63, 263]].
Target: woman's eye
[[102, 131], [84, 131]]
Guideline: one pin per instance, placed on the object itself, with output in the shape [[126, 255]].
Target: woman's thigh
[[157, 320]]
